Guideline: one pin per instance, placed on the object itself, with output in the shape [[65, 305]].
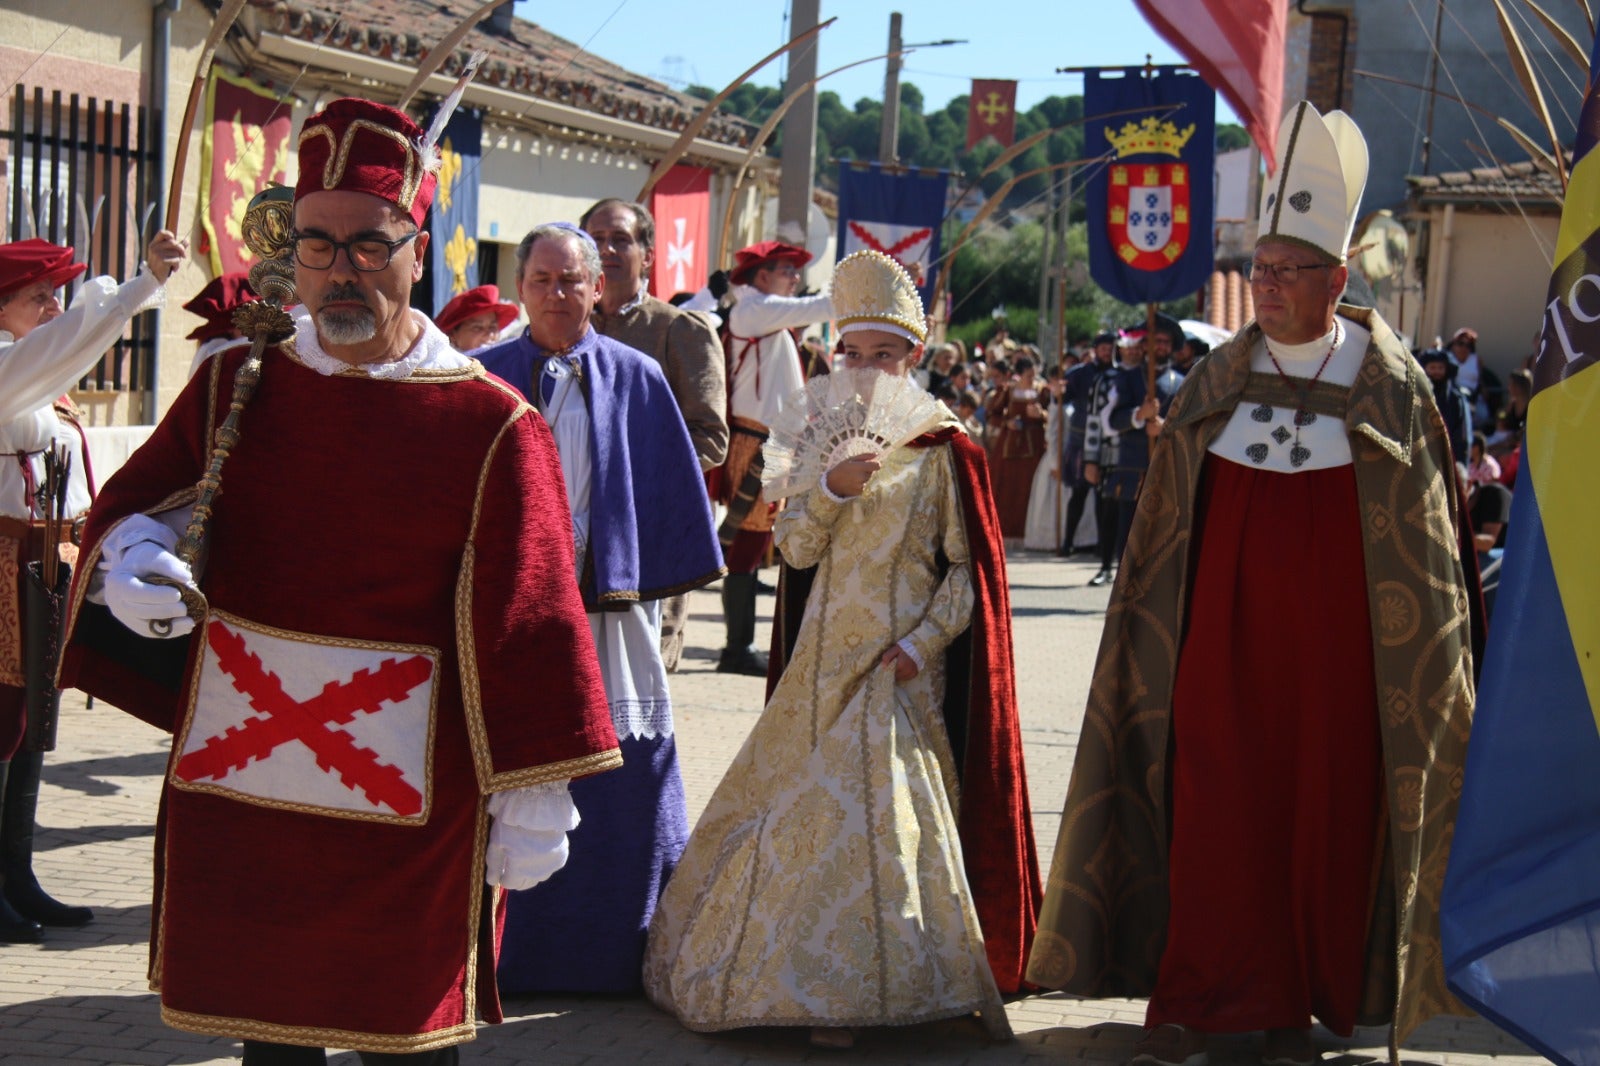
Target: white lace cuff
[[545, 806], [905, 645]]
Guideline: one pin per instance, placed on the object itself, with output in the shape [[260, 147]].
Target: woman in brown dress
[[1016, 444]]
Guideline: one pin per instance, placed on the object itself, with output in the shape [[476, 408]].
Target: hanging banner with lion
[[244, 146]]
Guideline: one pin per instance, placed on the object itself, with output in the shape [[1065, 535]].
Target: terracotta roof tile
[[528, 59], [1525, 183]]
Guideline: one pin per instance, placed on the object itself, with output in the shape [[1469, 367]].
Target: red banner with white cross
[[681, 204]]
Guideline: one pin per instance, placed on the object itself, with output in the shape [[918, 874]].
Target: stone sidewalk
[[82, 996]]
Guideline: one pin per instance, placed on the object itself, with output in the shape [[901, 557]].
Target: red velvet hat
[[748, 260], [361, 146], [475, 302], [216, 302], [25, 262]]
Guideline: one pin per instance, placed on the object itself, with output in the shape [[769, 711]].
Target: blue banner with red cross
[[1150, 204], [895, 211]]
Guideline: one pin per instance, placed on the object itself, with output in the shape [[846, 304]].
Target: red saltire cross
[[893, 251], [308, 721]]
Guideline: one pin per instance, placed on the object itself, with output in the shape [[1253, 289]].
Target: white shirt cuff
[[905, 645], [829, 493]]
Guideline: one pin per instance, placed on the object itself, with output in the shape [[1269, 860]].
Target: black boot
[[739, 611], [14, 928], [22, 889]]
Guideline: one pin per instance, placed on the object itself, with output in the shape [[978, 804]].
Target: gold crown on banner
[[873, 291], [1150, 136]]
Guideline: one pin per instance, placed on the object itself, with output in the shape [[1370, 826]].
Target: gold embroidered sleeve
[[950, 611], [805, 527]]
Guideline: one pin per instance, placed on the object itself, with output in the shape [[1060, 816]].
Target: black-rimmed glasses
[[1284, 273], [368, 254]]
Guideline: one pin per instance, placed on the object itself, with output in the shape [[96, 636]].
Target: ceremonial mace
[[267, 224]]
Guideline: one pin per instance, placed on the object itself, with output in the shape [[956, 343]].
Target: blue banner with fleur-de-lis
[[1149, 204], [453, 247]]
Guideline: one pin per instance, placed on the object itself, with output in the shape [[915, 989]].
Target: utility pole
[[799, 128], [889, 138]]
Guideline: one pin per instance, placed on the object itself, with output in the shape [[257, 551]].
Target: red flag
[[992, 112], [681, 204], [1237, 46], [244, 146]]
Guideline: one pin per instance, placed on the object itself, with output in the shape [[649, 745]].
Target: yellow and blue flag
[[1520, 914]]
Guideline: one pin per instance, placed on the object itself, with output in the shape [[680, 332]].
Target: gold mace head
[[268, 223]]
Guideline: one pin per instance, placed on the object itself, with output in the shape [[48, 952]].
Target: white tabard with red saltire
[[394, 634], [291, 719]]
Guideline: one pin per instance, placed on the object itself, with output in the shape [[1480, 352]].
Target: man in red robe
[[1263, 795], [356, 744]]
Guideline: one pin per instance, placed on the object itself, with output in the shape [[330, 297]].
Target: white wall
[[1495, 281]]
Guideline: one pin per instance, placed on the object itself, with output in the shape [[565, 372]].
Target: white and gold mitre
[[872, 291], [1313, 199]]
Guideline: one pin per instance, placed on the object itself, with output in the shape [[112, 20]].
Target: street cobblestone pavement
[[83, 997]]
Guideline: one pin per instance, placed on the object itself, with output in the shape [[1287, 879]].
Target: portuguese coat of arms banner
[[1150, 206]]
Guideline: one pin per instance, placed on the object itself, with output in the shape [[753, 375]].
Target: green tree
[[1231, 135]]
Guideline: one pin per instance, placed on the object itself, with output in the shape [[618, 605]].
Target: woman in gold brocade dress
[[824, 884]]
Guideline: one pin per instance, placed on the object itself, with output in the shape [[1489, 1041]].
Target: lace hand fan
[[838, 415]]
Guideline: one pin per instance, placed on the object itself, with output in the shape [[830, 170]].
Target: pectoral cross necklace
[[1303, 415]]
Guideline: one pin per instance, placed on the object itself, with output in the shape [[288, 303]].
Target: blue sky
[[711, 42]]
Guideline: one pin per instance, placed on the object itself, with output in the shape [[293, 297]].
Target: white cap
[[1313, 200]]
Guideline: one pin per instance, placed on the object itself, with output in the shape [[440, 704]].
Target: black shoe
[[764, 589], [1103, 577], [746, 661], [21, 891], [15, 929], [37, 906]]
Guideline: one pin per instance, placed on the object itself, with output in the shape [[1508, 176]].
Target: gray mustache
[[345, 293]]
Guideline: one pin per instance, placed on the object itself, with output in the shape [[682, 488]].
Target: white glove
[[136, 602], [528, 838], [533, 858]]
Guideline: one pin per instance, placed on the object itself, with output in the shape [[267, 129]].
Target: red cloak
[[394, 633]]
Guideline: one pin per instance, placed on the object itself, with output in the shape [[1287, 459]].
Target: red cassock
[[394, 633], [1277, 770]]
